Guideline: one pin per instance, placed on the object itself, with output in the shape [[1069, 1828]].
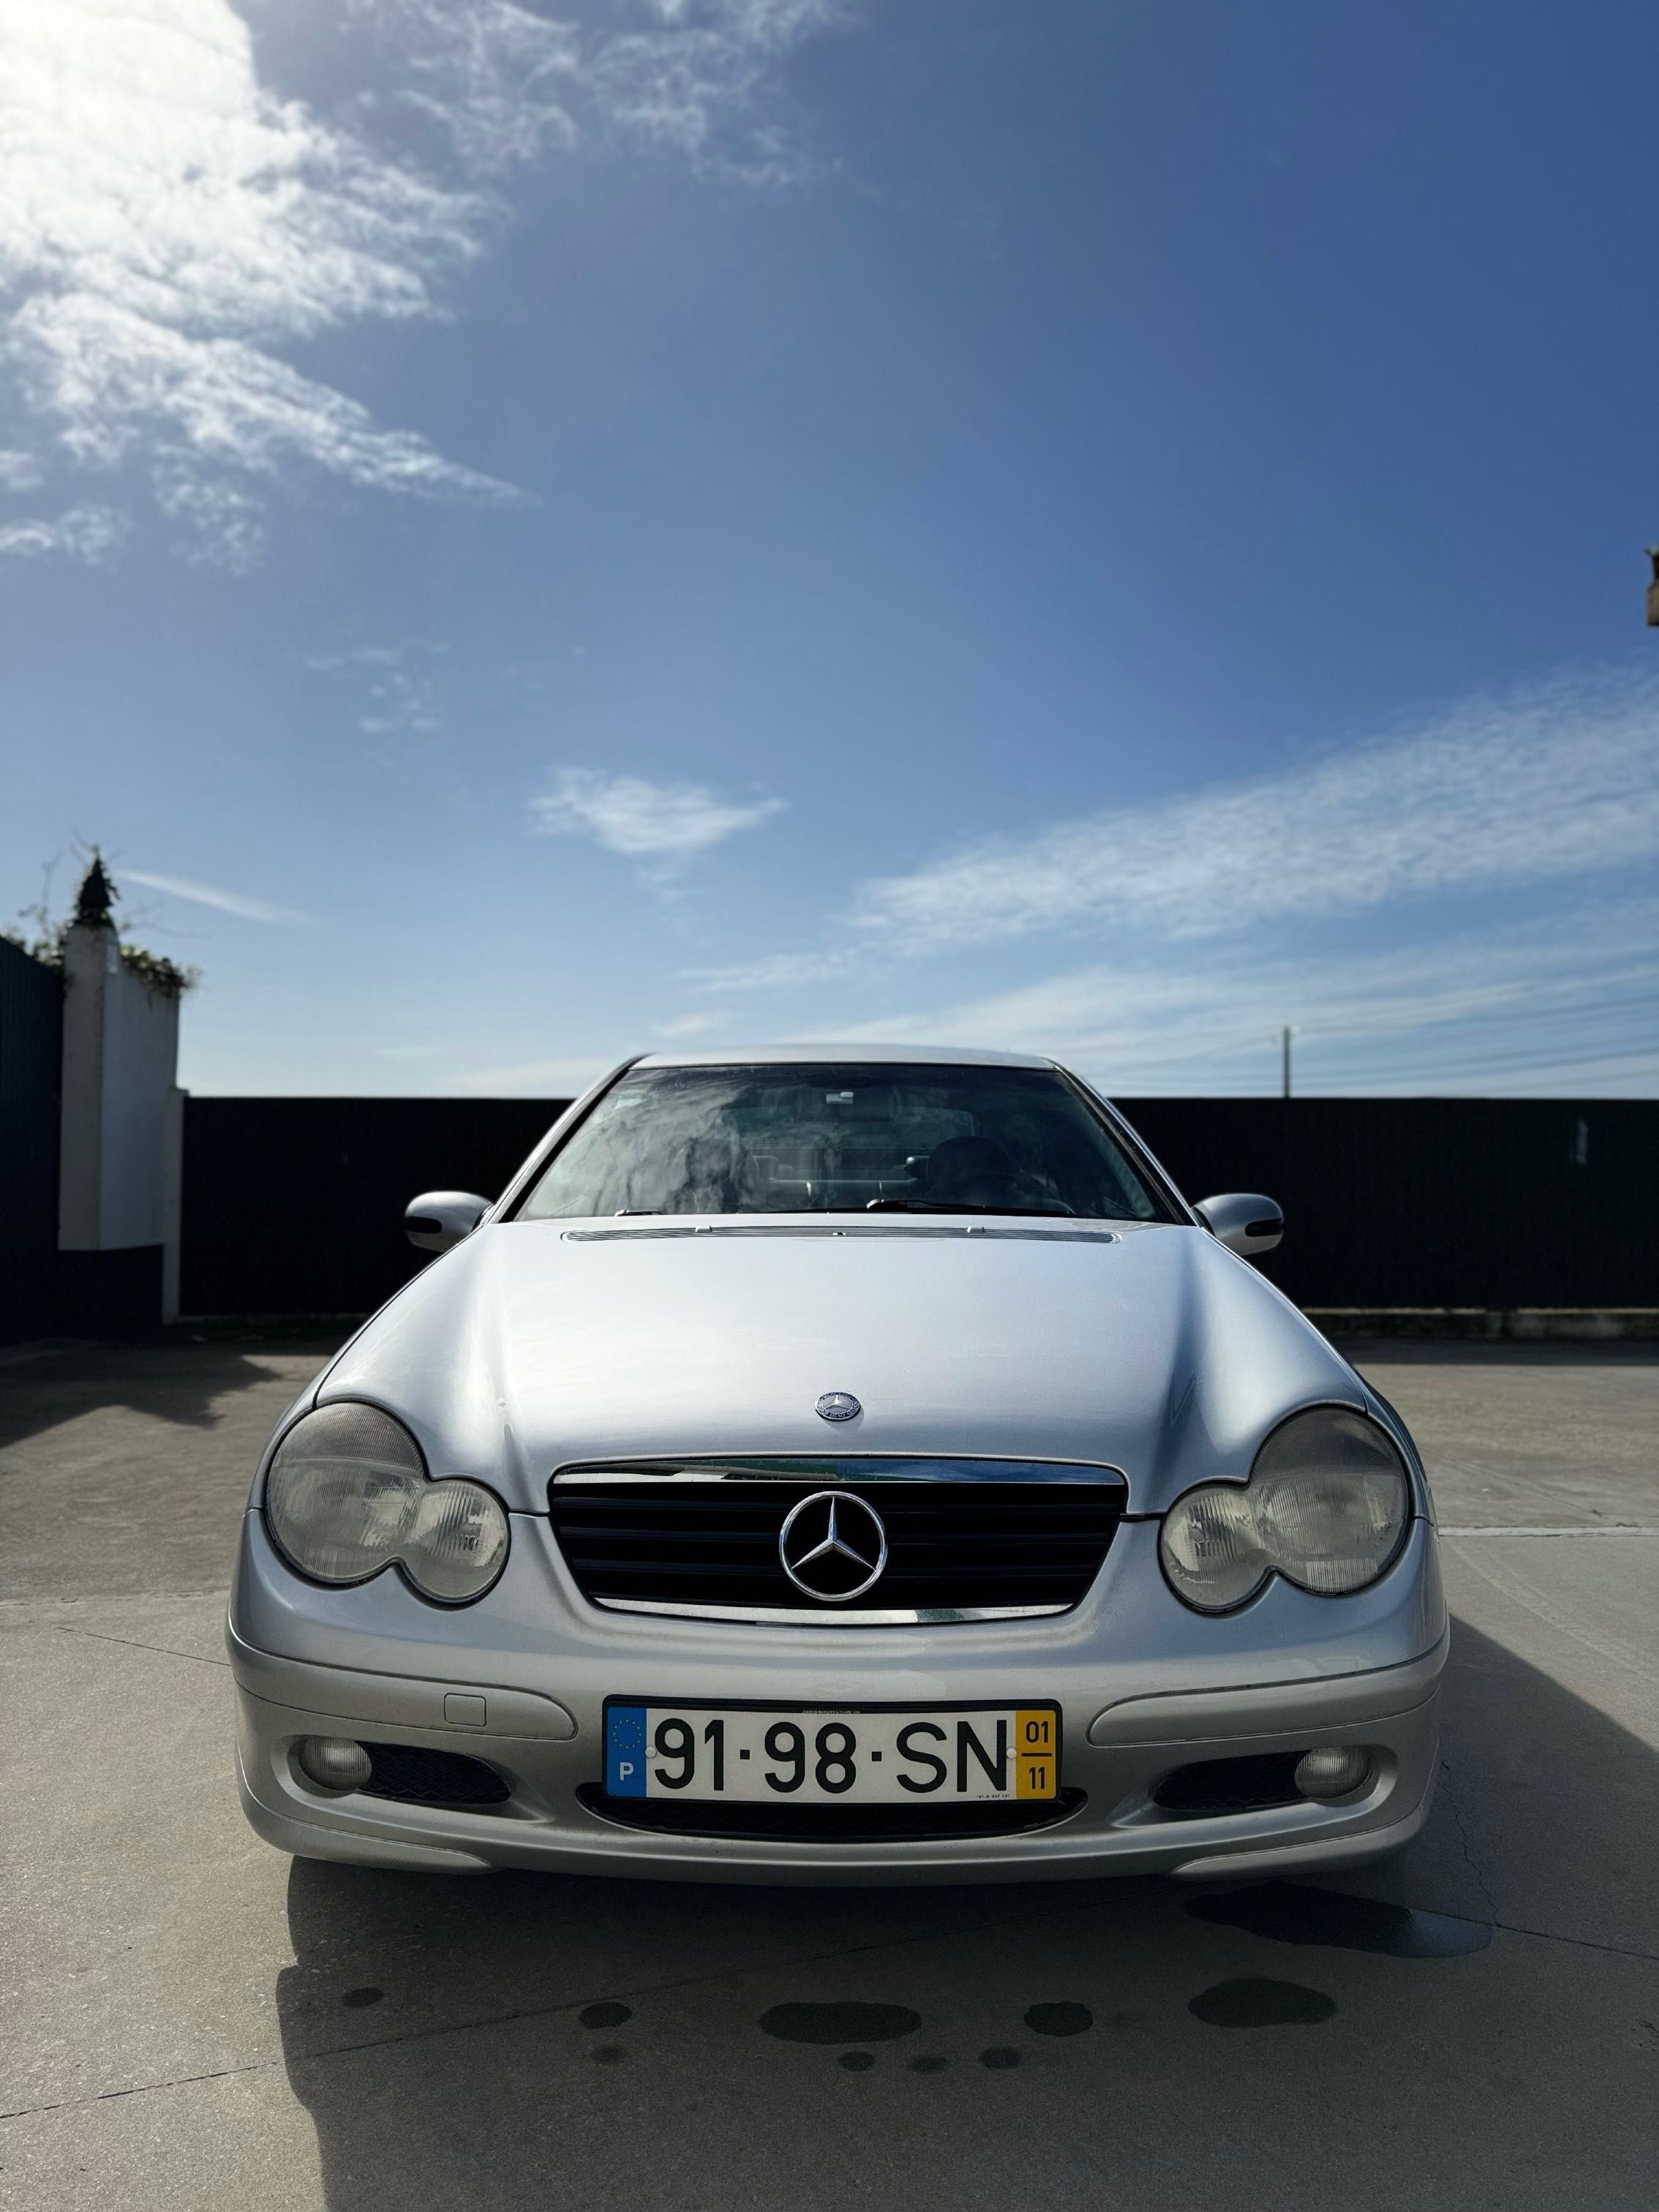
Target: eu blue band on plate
[[624, 1751]]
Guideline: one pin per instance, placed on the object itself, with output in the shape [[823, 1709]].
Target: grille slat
[[953, 1545]]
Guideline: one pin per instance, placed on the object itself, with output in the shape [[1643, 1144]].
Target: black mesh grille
[[832, 1824], [1231, 1785], [416, 1776], [953, 1545]]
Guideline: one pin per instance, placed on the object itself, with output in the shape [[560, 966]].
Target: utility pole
[[1284, 1037], [1653, 589]]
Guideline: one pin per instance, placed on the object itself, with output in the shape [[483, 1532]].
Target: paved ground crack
[[138, 2089], [1475, 1873], [131, 1644]]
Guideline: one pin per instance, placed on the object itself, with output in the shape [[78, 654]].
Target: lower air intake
[[414, 1775], [1230, 1786]]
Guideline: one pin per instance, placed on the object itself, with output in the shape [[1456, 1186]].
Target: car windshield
[[843, 1139]]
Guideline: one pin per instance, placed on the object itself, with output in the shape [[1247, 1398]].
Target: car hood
[[535, 1343]]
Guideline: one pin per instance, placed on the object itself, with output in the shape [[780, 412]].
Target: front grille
[[973, 1539], [414, 1775], [832, 1824]]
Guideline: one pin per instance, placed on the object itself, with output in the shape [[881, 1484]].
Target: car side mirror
[[438, 1219], [1242, 1220]]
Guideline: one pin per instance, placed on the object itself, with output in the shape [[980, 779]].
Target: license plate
[[840, 1755]]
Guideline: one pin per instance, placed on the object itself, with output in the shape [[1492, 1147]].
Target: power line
[[1515, 1066], [1495, 1018], [1585, 1048], [1580, 1024]]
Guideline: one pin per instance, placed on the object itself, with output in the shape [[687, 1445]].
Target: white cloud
[[696, 78], [19, 471], [236, 903], [88, 533], [1494, 1010], [397, 693], [664, 824], [680, 83], [1557, 780], [688, 1025], [781, 971], [496, 79], [169, 225], [165, 222]]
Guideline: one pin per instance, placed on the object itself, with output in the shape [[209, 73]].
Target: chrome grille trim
[[842, 1467], [831, 1616], [964, 1539]]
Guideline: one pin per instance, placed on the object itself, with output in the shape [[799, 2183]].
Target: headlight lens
[[1327, 1506], [1212, 1553], [348, 1495]]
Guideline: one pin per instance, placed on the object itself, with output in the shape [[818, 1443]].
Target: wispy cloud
[[88, 533], [236, 903], [498, 81], [689, 81], [396, 690], [783, 971], [662, 824], [688, 1026], [1558, 781], [170, 225], [166, 223], [1553, 790], [1499, 1008]]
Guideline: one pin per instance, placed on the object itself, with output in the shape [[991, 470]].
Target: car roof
[[784, 1055]]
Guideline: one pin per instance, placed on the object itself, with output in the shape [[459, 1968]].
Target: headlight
[[348, 1496], [1327, 1506]]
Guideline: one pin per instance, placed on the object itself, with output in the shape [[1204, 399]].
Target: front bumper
[[1145, 1686]]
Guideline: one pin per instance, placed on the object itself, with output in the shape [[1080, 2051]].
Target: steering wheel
[[978, 1171]]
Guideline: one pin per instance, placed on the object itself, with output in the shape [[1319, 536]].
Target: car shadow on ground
[[527, 2040]]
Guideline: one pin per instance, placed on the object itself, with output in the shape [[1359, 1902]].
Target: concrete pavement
[[191, 2019]]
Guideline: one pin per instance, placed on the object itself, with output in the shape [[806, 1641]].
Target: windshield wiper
[[955, 1206]]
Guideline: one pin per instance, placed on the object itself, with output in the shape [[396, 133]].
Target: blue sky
[[532, 533]]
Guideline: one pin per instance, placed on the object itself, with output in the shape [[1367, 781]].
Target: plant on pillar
[[95, 901]]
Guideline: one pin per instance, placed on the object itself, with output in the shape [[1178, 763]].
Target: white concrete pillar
[[120, 1163]]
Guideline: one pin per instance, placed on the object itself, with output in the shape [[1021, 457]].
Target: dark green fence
[[295, 1204], [31, 1058]]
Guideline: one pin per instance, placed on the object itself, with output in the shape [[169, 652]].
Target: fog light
[[334, 1762], [1331, 1773]]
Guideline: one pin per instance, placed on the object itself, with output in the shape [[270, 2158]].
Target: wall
[[121, 1137], [30, 1059], [295, 1204]]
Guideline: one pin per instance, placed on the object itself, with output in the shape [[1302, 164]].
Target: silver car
[[830, 1465]]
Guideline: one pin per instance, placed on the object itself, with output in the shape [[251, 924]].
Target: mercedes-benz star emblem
[[837, 1406], [832, 1545]]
